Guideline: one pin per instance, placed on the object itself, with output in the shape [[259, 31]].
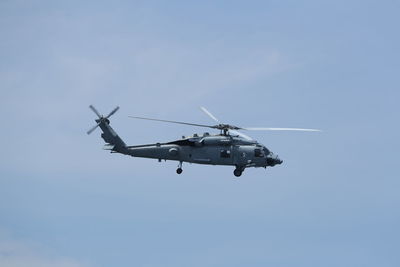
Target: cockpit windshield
[[258, 152]]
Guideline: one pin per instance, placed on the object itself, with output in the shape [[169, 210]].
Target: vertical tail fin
[[110, 136]]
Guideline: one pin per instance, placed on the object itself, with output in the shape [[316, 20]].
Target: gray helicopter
[[229, 147]]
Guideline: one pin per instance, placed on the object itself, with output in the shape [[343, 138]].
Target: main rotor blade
[[112, 112], [240, 134], [92, 129], [280, 129], [95, 111], [209, 114], [177, 122]]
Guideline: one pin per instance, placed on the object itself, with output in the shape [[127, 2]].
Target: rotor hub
[[226, 127]]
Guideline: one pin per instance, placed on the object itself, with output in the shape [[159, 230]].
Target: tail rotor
[[101, 118], [95, 111]]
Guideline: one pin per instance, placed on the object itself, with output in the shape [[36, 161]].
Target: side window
[[258, 153], [225, 153]]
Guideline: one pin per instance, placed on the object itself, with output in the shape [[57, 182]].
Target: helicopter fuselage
[[209, 149]]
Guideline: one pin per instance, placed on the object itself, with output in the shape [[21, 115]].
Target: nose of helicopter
[[273, 160]]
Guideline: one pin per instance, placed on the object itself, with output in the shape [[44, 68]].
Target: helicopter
[[230, 147]]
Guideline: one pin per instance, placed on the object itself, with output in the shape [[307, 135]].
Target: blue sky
[[332, 65]]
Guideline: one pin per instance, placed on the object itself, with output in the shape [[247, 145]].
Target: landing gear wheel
[[237, 172], [179, 170]]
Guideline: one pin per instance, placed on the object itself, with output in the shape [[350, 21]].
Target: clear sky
[[333, 65]]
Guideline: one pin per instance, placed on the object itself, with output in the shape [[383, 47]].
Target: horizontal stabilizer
[[108, 147]]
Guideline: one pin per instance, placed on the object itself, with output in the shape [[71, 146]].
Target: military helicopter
[[229, 147]]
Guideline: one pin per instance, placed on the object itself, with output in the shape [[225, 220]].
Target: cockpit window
[[258, 153]]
